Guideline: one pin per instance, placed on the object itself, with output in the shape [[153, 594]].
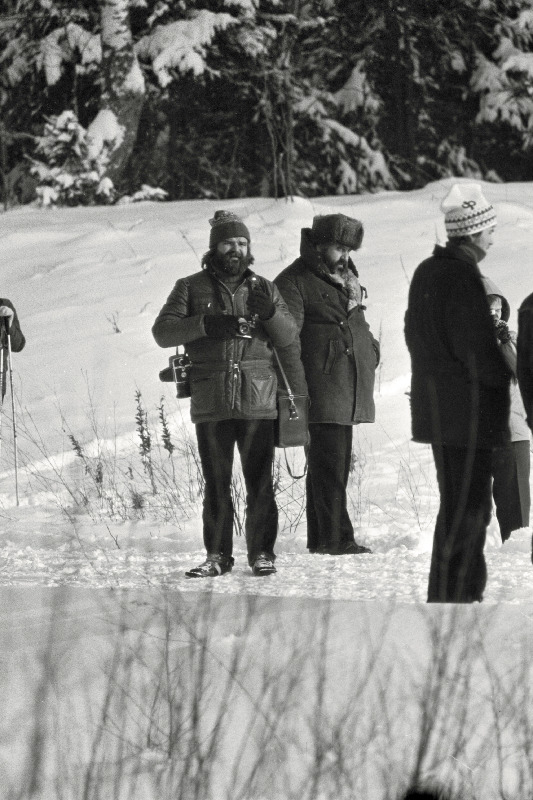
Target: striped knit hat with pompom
[[466, 211]]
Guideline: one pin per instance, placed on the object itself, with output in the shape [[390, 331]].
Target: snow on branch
[[505, 91], [487, 76], [356, 93], [525, 19], [248, 7], [182, 45], [371, 162], [520, 62], [17, 63], [116, 32], [62, 44], [104, 132]]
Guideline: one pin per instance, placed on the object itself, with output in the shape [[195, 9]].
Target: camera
[[245, 328], [181, 365], [503, 333], [178, 371]]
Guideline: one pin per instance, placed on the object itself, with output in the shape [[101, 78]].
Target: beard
[[339, 265], [231, 263]]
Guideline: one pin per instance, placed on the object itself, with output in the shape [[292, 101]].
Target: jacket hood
[[491, 288]]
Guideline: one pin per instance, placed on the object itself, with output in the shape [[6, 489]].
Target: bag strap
[[283, 375], [217, 290], [293, 411], [289, 470]]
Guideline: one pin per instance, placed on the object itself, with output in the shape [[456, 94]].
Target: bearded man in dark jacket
[[339, 356], [233, 388], [459, 391]]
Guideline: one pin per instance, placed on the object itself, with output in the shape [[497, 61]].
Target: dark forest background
[[230, 98]]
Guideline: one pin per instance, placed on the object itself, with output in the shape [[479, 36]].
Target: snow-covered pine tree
[[503, 81], [220, 98]]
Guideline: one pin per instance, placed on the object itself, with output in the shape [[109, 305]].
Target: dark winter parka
[[17, 339], [524, 367], [460, 381], [338, 352], [230, 378]]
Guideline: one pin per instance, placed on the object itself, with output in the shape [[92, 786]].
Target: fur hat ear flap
[[467, 211]]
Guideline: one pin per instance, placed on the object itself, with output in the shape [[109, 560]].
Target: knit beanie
[[226, 225], [466, 211], [337, 229]]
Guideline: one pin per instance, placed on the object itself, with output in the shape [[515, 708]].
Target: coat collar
[[468, 252]]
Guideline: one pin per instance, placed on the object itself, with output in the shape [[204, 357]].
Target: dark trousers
[[510, 486], [328, 523], [458, 571], [216, 445]]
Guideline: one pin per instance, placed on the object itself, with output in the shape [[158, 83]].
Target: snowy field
[[78, 275], [112, 530]]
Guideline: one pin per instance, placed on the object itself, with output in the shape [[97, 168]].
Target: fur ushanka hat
[[337, 229]]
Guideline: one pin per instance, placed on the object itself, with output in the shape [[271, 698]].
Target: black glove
[[503, 334], [220, 326], [261, 303]]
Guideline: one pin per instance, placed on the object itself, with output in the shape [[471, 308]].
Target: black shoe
[[213, 566], [355, 550], [263, 565], [352, 549]]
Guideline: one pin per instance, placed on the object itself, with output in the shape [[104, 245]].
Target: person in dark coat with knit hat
[[459, 391], [511, 463], [233, 388], [335, 358]]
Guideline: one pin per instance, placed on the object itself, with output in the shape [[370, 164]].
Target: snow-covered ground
[[76, 275], [87, 284]]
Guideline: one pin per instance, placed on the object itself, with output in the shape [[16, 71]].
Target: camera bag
[[291, 427]]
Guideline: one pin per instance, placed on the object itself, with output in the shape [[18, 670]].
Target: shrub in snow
[[68, 175], [71, 170]]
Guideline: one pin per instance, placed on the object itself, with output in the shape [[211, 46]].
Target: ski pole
[[2, 391], [15, 448]]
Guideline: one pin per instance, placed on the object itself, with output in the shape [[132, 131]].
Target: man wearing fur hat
[[233, 388], [459, 391], [339, 356]]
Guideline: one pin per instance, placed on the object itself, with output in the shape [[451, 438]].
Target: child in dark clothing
[[510, 462]]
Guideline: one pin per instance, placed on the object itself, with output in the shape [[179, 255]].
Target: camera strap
[[217, 290]]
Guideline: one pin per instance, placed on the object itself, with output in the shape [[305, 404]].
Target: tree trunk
[[404, 102], [124, 89]]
